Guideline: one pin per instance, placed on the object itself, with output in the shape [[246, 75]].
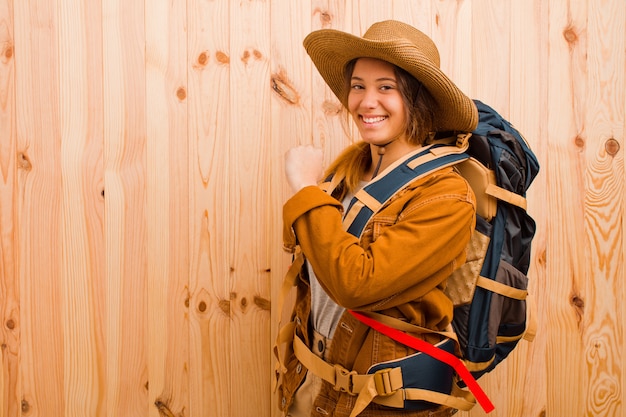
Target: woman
[[390, 82]]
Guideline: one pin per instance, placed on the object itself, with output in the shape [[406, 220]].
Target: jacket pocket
[[377, 226]]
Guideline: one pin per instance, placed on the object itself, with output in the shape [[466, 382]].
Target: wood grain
[[454, 41], [81, 211], [38, 222], [167, 210], [209, 60], [491, 53], [124, 193], [567, 248], [604, 179], [249, 188], [9, 282]]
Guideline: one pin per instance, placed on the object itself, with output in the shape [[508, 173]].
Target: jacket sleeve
[[414, 254], [307, 199]]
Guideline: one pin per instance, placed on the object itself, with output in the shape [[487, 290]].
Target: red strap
[[433, 351]]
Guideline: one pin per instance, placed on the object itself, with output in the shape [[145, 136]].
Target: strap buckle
[[462, 140], [343, 380], [383, 382]]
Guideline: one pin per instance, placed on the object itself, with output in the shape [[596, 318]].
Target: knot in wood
[[284, 88], [8, 52], [222, 58], [570, 35], [612, 146], [579, 141], [203, 58], [23, 162]]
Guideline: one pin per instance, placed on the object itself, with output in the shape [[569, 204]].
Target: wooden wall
[[141, 185]]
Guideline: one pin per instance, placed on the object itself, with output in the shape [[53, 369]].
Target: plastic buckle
[[382, 381], [343, 379], [462, 139]]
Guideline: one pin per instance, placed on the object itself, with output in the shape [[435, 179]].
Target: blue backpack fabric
[[491, 325]]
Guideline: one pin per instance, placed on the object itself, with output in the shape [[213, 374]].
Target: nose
[[369, 99]]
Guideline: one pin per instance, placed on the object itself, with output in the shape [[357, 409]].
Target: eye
[[387, 87], [356, 86]]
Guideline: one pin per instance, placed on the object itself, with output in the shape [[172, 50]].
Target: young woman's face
[[375, 102]]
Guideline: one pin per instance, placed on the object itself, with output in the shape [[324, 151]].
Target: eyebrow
[[377, 80]]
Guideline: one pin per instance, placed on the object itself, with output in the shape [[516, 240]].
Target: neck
[[387, 154]]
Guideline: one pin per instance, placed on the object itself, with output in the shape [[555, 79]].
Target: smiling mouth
[[376, 119]]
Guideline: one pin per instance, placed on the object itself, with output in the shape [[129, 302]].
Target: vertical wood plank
[[491, 51], [167, 207], [80, 89], [367, 12], [9, 283], [39, 209], [566, 248], [211, 354], [418, 13], [249, 187], [604, 180], [124, 115], [452, 33]]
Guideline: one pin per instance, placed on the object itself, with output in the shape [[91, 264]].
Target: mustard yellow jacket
[[398, 267]]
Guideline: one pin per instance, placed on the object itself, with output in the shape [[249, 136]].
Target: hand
[[303, 166]]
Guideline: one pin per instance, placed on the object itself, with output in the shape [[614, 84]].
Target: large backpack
[[489, 291], [491, 323]]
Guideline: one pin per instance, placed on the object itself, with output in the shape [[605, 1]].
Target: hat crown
[[393, 30]]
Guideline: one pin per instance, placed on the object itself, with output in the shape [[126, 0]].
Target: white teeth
[[373, 119]]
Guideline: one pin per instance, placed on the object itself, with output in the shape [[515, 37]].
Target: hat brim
[[331, 50]]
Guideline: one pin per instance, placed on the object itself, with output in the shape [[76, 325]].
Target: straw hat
[[404, 46]]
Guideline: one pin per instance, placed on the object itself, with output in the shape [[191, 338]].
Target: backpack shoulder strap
[[398, 176]]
